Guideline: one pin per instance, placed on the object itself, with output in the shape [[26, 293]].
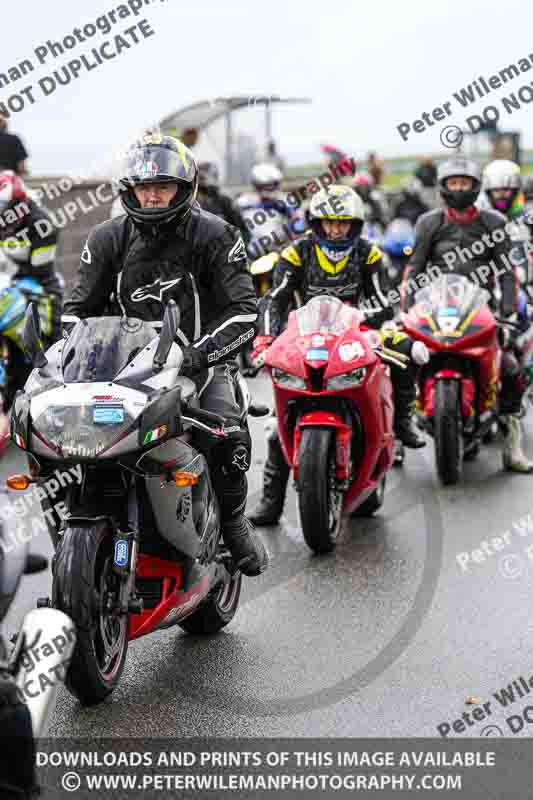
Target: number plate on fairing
[[317, 354]]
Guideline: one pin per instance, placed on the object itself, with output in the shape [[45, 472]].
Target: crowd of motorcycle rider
[[297, 251], [347, 240]]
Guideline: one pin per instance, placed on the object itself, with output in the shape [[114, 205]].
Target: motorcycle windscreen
[[325, 314], [98, 348], [450, 302]]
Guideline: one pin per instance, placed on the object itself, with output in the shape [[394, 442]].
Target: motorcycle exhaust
[[40, 660]]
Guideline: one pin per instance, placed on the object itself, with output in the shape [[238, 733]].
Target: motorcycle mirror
[[31, 337], [171, 323]]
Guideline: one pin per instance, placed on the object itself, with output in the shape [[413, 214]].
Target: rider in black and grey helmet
[[442, 234]]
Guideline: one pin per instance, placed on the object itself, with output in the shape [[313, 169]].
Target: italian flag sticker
[[20, 441], [157, 433]]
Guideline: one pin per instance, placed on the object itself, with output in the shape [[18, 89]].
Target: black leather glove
[[376, 320], [194, 362]]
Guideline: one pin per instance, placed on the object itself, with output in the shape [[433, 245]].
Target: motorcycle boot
[[513, 457], [242, 540], [275, 479], [403, 381]]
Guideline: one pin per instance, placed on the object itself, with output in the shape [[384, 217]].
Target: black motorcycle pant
[[229, 459]]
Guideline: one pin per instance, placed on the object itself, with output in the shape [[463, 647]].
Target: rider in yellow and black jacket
[[333, 259]]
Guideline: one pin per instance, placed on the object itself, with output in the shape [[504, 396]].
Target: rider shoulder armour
[[292, 255]]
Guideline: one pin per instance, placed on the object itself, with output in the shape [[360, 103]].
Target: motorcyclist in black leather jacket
[[166, 247], [216, 202]]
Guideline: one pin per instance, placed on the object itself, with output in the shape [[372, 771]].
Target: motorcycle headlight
[[347, 379], [287, 380], [83, 430]]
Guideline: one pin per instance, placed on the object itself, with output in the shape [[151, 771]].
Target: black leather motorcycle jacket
[[200, 263], [465, 248]]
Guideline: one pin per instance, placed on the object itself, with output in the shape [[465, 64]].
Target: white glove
[[419, 353]]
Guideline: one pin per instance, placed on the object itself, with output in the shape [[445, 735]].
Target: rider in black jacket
[[216, 202], [166, 248], [474, 243], [347, 267]]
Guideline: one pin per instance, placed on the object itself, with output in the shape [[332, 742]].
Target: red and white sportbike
[[334, 405]]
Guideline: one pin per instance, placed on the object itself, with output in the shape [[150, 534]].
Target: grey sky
[[368, 67]]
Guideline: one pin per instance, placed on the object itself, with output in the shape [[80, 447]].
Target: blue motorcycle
[[15, 295]]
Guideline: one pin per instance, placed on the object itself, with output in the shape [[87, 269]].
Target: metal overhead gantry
[[200, 116]]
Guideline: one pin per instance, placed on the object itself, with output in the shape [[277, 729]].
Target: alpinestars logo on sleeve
[[154, 291], [238, 251]]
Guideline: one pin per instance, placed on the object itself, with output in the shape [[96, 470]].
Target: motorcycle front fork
[[125, 552]]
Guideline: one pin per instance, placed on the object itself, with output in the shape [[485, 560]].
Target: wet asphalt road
[[420, 607]]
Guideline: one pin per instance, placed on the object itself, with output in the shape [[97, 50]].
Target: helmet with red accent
[[363, 183], [12, 190]]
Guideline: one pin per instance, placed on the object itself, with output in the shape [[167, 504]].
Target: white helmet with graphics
[[337, 203], [502, 182]]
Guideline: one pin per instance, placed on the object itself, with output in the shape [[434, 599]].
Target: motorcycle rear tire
[[448, 431], [319, 501], [217, 610]]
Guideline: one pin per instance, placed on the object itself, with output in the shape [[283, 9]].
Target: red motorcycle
[[458, 388], [334, 406]]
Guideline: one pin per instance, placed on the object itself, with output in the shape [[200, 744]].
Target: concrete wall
[[81, 209]]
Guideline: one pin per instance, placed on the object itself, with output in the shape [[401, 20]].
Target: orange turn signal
[[186, 479], [18, 481]]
